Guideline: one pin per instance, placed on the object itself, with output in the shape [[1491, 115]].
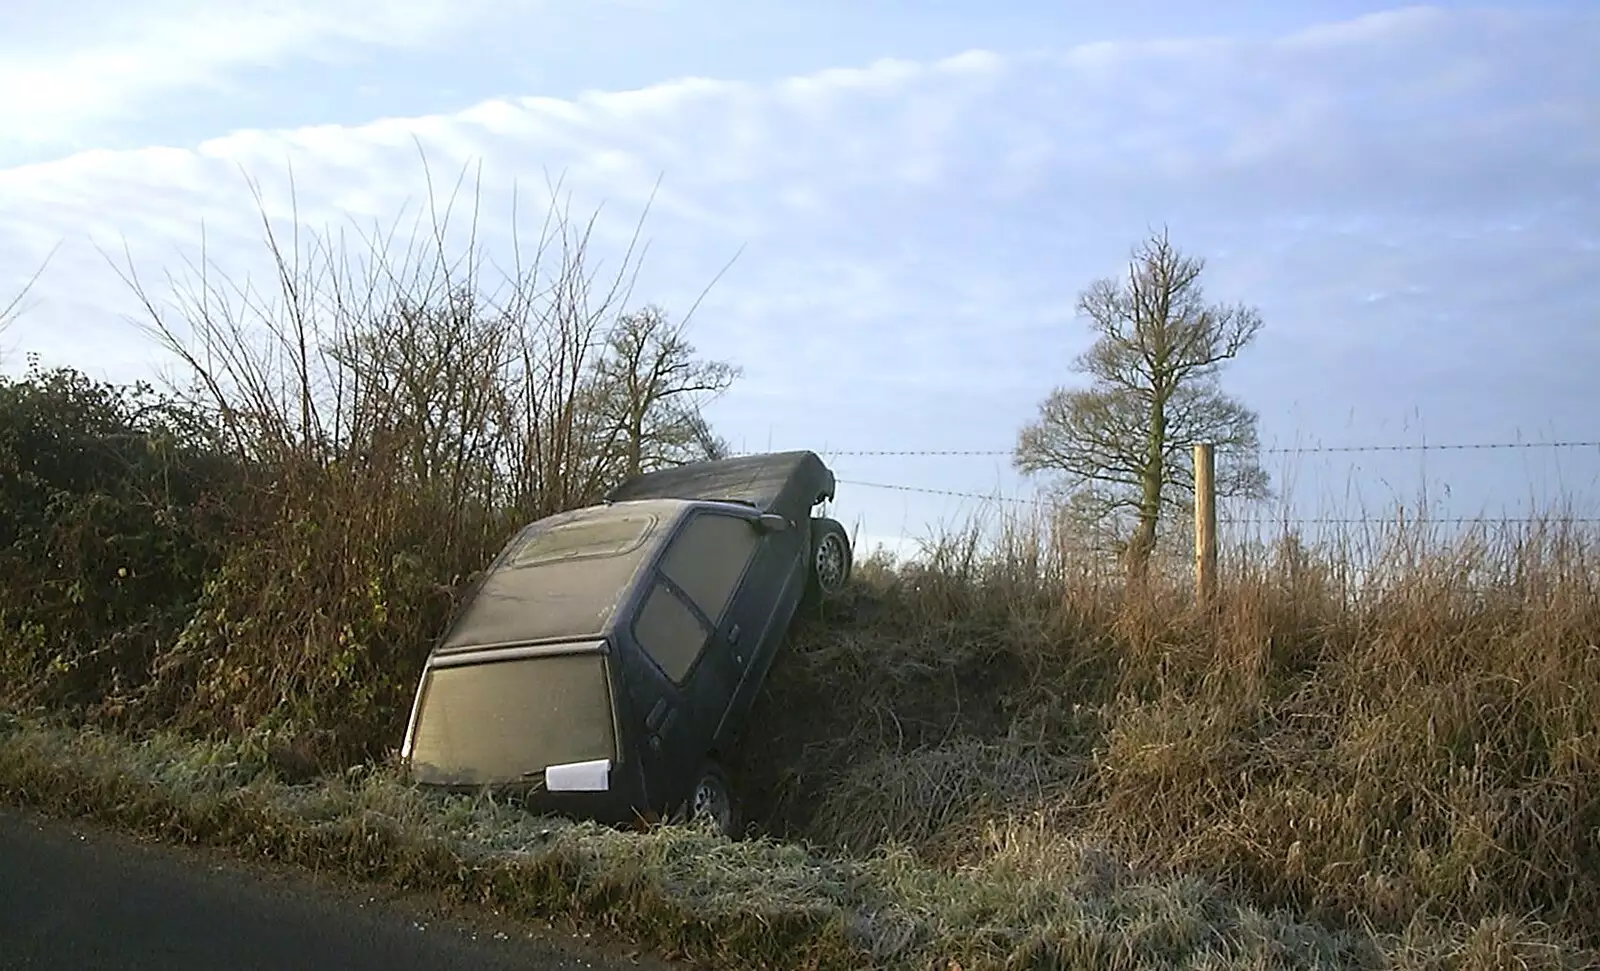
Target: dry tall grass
[[1401, 725]]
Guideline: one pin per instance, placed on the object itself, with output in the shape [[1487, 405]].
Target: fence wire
[[1222, 519], [1295, 450]]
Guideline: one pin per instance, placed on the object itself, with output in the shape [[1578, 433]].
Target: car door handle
[[733, 634], [657, 731], [657, 716]]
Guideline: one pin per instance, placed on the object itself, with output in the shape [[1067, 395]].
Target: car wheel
[[830, 557], [712, 801]]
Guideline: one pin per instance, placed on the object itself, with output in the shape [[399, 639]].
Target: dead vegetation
[[1416, 739], [1379, 751], [388, 413]]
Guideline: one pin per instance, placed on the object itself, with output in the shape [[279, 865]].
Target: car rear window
[[602, 535], [504, 721]]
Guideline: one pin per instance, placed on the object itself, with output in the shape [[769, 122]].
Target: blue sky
[[917, 191]]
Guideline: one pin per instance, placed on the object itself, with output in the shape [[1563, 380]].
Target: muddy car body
[[606, 662]]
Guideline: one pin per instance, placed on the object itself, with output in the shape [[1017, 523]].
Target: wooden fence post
[[1205, 523]]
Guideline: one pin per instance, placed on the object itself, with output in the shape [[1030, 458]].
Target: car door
[[669, 637], [767, 598], [690, 626], [710, 562]]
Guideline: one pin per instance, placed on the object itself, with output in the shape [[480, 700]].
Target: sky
[[911, 196]]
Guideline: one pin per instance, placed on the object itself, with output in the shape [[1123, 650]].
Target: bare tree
[[1125, 444], [647, 393], [12, 309], [430, 376]]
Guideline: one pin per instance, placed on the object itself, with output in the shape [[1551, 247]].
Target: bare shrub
[[401, 413]]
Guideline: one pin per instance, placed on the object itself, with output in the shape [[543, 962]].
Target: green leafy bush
[[111, 515]]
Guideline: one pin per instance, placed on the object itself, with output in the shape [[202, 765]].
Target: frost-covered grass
[[688, 894]]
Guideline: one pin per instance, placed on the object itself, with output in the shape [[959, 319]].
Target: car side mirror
[[771, 523]]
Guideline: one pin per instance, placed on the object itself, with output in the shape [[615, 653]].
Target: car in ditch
[[605, 664]]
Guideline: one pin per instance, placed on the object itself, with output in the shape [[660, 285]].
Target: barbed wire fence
[[1045, 502]]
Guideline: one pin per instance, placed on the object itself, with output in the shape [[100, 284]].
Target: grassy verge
[[690, 895]]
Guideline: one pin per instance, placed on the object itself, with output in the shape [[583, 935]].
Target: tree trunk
[[1143, 543], [635, 456]]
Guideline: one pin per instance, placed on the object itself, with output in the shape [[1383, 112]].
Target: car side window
[[670, 631], [708, 558]]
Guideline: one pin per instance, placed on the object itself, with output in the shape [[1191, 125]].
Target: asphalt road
[[75, 897]]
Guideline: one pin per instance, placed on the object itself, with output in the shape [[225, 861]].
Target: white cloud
[[165, 45], [915, 232]]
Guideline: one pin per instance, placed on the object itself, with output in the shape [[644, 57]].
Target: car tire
[[830, 561], [712, 800]]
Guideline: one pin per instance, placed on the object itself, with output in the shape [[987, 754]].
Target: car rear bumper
[[620, 803]]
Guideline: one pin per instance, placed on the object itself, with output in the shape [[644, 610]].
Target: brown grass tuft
[[1399, 729]]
